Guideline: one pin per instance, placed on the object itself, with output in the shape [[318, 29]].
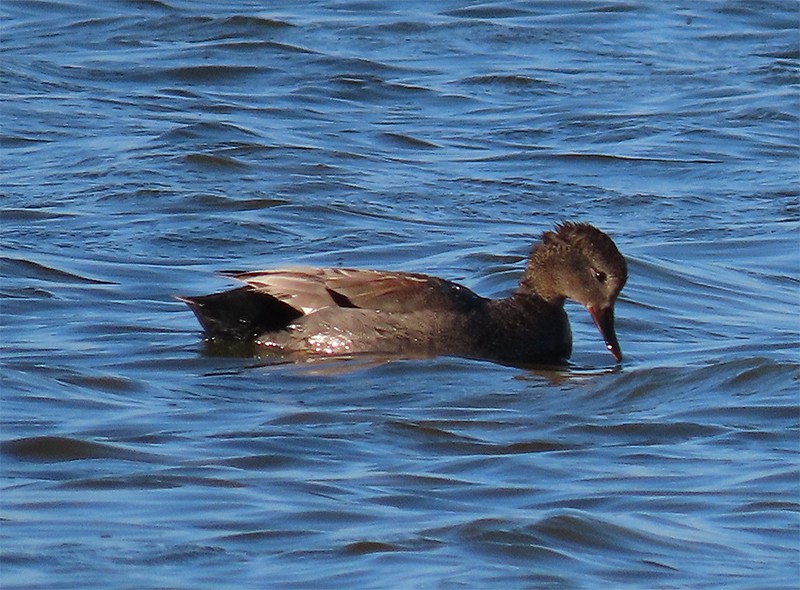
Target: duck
[[307, 312]]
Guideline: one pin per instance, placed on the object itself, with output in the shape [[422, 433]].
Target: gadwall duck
[[338, 311]]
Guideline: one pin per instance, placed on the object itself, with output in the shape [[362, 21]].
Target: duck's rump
[[240, 314]]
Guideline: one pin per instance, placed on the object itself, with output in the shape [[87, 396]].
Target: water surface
[[147, 145]]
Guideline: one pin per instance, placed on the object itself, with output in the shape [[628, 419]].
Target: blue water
[[146, 145]]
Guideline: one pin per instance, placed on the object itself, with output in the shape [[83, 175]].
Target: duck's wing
[[302, 288], [310, 289]]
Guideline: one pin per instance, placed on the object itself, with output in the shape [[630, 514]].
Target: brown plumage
[[339, 311]]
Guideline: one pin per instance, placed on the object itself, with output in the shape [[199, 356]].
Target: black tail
[[240, 314]]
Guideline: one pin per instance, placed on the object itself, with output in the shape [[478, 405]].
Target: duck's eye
[[600, 276]]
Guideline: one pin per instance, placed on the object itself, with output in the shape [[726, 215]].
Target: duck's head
[[579, 262]]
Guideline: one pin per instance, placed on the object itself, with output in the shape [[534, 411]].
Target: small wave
[[22, 267], [150, 481], [584, 539], [213, 161], [523, 155], [488, 11], [512, 80], [54, 449], [217, 202], [31, 214], [211, 73], [620, 158], [408, 141], [440, 433], [205, 129], [18, 141], [254, 22]]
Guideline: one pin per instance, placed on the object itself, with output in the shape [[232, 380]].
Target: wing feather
[[309, 289]]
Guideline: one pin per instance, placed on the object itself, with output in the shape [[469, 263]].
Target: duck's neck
[[525, 328], [540, 278]]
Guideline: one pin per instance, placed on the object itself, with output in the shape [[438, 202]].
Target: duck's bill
[[604, 320]]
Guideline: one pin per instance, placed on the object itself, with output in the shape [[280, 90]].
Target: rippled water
[[148, 144]]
